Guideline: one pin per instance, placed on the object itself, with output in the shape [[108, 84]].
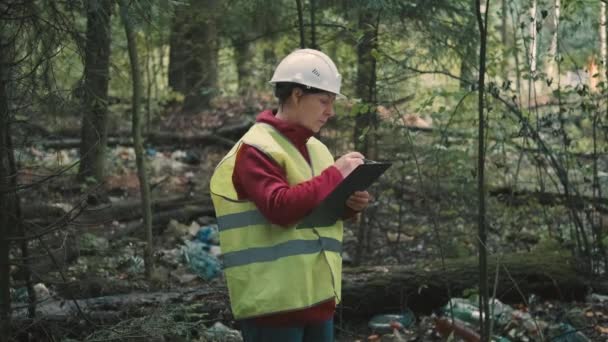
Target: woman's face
[[313, 110]]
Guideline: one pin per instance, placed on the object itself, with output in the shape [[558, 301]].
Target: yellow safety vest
[[269, 268]]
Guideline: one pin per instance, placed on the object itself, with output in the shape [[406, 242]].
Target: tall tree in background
[[193, 58], [484, 297], [244, 52], [552, 69], [365, 89], [533, 41], [138, 145], [313, 29], [301, 24], [604, 41], [96, 78], [468, 42], [241, 27], [504, 27], [5, 197], [8, 198]]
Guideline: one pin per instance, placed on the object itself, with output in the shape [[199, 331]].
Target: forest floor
[[106, 266]]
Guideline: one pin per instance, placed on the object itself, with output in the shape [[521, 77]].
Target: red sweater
[[258, 178]]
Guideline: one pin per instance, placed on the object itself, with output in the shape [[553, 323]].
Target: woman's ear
[[296, 95]]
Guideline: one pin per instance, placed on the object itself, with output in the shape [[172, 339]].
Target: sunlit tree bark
[[533, 43], [554, 49], [604, 41]]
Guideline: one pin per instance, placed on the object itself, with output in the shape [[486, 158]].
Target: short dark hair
[[282, 90]]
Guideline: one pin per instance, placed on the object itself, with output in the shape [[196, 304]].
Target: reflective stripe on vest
[[246, 218], [269, 268], [285, 249]]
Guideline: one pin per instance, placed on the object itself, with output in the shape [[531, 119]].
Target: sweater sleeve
[[258, 178]]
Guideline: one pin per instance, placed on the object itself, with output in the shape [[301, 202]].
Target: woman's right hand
[[348, 162]]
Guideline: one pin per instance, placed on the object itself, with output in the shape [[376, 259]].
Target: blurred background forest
[[113, 115]]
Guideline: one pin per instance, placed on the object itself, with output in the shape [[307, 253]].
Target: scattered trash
[[178, 155], [346, 258], [20, 295], [124, 153], [220, 332], [446, 327], [93, 244], [514, 324], [182, 276], [209, 235], [170, 257], [384, 324], [163, 165], [151, 151], [565, 333], [576, 317], [468, 311], [177, 231], [200, 261], [131, 265], [596, 298]]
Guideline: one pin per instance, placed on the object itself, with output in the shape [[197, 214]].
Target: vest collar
[[297, 134]]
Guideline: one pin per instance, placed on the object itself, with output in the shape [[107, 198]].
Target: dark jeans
[[322, 332]]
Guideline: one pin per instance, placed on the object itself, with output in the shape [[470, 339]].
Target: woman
[[284, 279]]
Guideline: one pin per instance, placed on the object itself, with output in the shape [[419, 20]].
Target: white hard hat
[[311, 68]]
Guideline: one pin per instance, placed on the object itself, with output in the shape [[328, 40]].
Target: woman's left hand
[[359, 200]]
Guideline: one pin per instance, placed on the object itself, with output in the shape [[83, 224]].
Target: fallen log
[[225, 136], [48, 253], [161, 219], [522, 197], [380, 289], [130, 209], [113, 308], [425, 287]]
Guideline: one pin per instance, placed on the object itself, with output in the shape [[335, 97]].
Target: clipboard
[[333, 206]]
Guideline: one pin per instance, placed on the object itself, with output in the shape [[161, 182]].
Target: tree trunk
[[96, 77], [484, 295], [6, 195], [178, 51], [137, 139], [366, 80], [604, 41], [469, 43], [366, 120], [552, 69], [504, 38], [193, 63], [243, 54], [313, 29], [533, 40], [301, 24]]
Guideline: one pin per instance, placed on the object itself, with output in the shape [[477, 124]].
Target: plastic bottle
[[384, 324]]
